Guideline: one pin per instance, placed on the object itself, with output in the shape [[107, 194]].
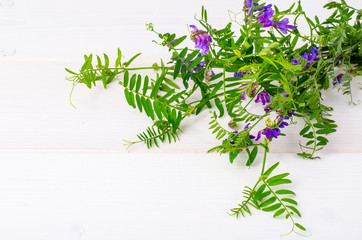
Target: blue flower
[[201, 39], [283, 26]]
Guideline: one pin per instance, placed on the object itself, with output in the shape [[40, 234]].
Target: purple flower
[[281, 123], [285, 93], [283, 26], [266, 16], [295, 61], [339, 79], [337, 61], [271, 132], [249, 8], [258, 136], [248, 89], [249, 2], [310, 57], [268, 108], [263, 97], [201, 39], [208, 74], [239, 74], [314, 52]]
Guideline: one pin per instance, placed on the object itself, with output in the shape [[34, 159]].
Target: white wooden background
[[65, 174]]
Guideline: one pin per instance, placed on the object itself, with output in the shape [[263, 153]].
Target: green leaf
[[177, 69], [145, 85], [175, 97], [106, 60], [305, 155], [289, 200], [157, 86], [149, 106], [265, 194], [126, 64], [157, 109], [268, 202], [304, 130], [279, 182], [322, 139], [132, 99], [284, 191], [326, 131], [219, 106], [164, 97], [318, 125], [139, 102], [132, 82], [310, 142], [125, 78], [258, 193], [178, 41], [232, 156], [119, 57], [252, 156], [271, 169], [276, 177], [183, 53], [69, 71], [126, 95], [309, 135], [279, 212], [300, 227], [196, 62], [294, 209], [138, 83], [216, 88], [171, 83], [190, 57], [272, 208]]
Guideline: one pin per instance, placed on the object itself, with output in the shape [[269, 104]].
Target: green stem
[[264, 161]]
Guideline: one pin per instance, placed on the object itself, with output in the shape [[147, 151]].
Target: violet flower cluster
[[201, 39], [265, 17], [309, 57]]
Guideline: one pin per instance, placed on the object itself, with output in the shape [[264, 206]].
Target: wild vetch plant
[[266, 63]]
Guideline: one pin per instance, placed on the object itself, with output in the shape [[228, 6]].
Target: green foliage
[[246, 66], [163, 132], [269, 194]]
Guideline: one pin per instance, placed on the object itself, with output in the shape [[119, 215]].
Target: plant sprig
[[266, 64]]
